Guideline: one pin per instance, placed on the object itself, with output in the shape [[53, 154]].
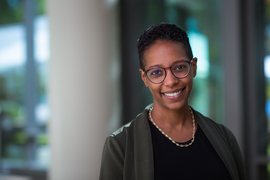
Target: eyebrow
[[159, 65]]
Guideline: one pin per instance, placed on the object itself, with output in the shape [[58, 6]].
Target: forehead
[[165, 53]]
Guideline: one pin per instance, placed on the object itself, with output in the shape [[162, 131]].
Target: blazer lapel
[[219, 142], [143, 148]]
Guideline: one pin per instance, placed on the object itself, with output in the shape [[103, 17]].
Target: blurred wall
[[81, 84]]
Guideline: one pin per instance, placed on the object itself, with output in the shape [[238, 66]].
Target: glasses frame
[[189, 67]]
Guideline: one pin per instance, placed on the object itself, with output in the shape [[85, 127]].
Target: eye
[[180, 67], [155, 72]]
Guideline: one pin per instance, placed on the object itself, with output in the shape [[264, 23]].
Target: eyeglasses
[[179, 69]]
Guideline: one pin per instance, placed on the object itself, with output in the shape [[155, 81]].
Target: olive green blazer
[[128, 152]]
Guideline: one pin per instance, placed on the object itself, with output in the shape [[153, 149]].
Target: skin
[[171, 114]]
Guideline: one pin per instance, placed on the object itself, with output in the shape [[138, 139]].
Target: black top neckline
[[198, 161]]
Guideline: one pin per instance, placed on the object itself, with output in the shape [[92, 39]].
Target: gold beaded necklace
[[179, 145]]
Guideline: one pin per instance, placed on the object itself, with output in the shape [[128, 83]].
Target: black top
[[198, 161]]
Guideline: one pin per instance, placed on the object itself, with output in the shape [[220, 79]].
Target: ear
[[144, 78], [194, 66]]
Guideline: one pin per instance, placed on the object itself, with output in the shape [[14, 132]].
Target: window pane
[[23, 139], [42, 111], [267, 69], [202, 21], [11, 11], [12, 81]]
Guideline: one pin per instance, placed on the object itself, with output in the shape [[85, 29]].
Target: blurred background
[[69, 77]]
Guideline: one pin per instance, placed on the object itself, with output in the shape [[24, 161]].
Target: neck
[[171, 118]]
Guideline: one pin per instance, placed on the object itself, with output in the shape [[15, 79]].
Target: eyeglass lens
[[179, 70]]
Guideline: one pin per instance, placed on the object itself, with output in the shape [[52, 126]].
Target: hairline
[[186, 49]]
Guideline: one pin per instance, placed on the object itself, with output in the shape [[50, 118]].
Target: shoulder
[[121, 134], [216, 132], [206, 122], [224, 143], [139, 120], [138, 125], [125, 129]]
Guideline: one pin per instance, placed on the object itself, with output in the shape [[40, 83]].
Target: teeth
[[173, 94]]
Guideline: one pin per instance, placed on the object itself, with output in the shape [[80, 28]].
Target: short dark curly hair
[[162, 31]]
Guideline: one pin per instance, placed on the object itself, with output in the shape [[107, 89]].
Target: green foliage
[[13, 111], [3, 92], [20, 137], [267, 11], [42, 139], [13, 12], [10, 108], [42, 80], [268, 90], [40, 6], [268, 153], [13, 152]]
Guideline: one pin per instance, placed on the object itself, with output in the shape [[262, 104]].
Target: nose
[[170, 79]]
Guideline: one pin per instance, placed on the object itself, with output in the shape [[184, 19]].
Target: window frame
[[31, 128]]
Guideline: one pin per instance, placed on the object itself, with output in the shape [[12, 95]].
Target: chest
[[198, 161]]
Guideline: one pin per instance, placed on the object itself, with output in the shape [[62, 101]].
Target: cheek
[[194, 71], [147, 83], [154, 88], [190, 83]]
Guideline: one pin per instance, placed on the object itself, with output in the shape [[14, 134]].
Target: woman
[[170, 140]]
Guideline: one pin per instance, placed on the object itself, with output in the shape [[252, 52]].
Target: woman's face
[[173, 92]]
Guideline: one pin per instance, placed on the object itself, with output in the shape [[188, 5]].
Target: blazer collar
[[144, 162]]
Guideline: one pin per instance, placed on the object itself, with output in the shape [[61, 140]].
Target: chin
[[170, 105], [176, 106]]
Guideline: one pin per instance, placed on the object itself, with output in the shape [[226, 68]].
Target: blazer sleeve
[[236, 153], [112, 160]]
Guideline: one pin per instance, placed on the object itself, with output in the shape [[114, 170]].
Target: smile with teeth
[[173, 94]]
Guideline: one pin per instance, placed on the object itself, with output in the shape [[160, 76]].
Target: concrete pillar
[[233, 68], [82, 84]]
